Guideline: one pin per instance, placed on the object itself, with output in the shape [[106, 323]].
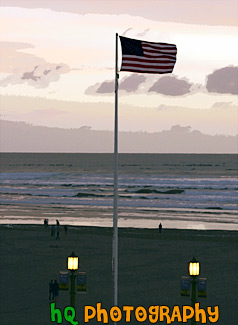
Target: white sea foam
[[196, 185]]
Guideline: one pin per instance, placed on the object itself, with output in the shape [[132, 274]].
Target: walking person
[[57, 229]]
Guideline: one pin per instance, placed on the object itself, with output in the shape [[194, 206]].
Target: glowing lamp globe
[[73, 262], [194, 267]]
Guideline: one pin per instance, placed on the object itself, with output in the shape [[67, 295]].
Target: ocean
[[185, 191]]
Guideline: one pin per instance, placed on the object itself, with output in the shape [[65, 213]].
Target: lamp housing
[[73, 262], [194, 267]]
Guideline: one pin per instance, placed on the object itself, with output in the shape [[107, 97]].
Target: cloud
[[40, 77], [107, 87], [223, 81], [132, 83], [145, 84], [224, 11], [127, 84], [171, 86], [28, 68]]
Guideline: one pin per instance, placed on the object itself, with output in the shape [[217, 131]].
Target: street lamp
[[194, 268], [73, 265]]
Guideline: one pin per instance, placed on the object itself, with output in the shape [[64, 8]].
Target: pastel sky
[[58, 64]]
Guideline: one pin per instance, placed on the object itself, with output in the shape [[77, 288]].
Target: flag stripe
[[158, 44], [162, 64], [148, 50], [147, 70], [158, 50], [147, 57], [132, 58], [156, 54]]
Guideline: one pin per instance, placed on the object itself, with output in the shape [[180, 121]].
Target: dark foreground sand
[[150, 268]]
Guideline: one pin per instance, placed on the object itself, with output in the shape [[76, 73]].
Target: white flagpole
[[115, 203]]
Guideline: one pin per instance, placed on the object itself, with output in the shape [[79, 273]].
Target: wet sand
[[150, 269]]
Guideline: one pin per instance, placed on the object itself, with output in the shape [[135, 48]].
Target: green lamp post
[[194, 269]]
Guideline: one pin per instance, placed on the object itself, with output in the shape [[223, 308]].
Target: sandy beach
[[150, 269]]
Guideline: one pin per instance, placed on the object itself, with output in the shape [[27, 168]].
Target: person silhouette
[[55, 290], [160, 228], [57, 229]]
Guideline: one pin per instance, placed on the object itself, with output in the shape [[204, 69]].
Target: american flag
[[147, 57]]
